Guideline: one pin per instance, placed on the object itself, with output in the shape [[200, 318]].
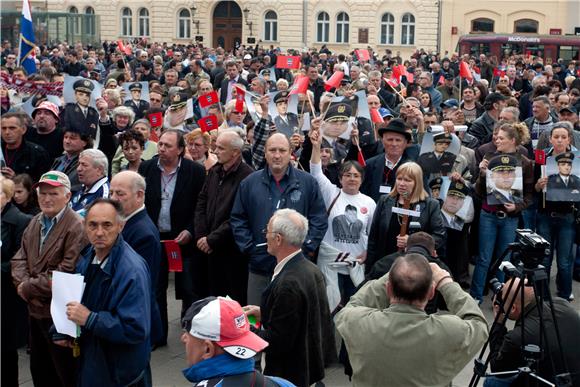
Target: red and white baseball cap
[[223, 320]]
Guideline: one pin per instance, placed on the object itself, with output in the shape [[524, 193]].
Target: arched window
[[143, 22], [342, 27], [126, 22], [271, 26], [408, 29], [90, 21], [388, 29], [322, 27], [75, 20], [528, 26], [482, 25], [184, 24]]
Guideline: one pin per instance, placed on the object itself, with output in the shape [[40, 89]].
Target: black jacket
[[29, 158], [297, 324], [188, 184], [505, 347], [374, 173], [224, 87], [482, 128], [70, 171]]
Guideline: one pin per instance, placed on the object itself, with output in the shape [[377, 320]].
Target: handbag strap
[[332, 204]]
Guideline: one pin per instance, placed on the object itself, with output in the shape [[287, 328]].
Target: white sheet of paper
[[402, 211], [66, 287], [384, 189]]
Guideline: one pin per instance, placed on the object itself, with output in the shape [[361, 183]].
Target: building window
[[126, 22], [90, 21], [482, 25], [408, 29], [143, 22], [271, 26], [388, 29], [527, 26], [322, 27], [184, 24], [342, 28], [76, 21]]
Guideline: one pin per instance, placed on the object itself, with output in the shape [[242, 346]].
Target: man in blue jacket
[[279, 185], [114, 313]]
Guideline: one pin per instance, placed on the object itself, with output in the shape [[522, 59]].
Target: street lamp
[[248, 23], [196, 22]]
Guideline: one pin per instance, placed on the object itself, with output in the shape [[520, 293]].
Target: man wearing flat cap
[[564, 186], [503, 176], [80, 116], [138, 105], [286, 122], [439, 162]]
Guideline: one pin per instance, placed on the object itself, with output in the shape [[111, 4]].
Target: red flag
[[121, 45], [410, 76], [287, 62], [376, 116], [464, 71], [208, 99], [334, 81], [173, 253], [156, 119], [397, 72], [361, 158], [393, 82], [208, 123], [540, 156], [363, 55], [300, 85], [240, 96]]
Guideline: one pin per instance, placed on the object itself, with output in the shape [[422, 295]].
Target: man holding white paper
[[51, 242]]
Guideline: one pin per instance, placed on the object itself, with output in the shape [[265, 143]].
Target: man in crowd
[[387, 332], [294, 311], [482, 128], [280, 185], [128, 189], [541, 120], [92, 171], [227, 85], [227, 267], [73, 144], [52, 241], [469, 106], [46, 132], [506, 346], [220, 350], [19, 155], [115, 310], [426, 82], [173, 184]]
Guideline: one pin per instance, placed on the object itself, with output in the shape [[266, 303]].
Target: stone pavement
[[167, 362]]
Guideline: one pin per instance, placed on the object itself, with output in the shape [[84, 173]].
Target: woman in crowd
[[24, 195], [132, 143], [198, 143], [119, 162], [498, 222], [234, 117], [426, 103], [349, 218], [384, 238], [123, 117], [555, 219], [14, 309]]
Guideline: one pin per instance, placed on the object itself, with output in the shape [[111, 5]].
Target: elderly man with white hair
[[92, 172]]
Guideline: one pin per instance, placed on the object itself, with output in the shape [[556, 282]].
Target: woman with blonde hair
[[197, 145], [408, 197]]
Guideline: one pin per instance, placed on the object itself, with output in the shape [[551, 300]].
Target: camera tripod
[[536, 276]]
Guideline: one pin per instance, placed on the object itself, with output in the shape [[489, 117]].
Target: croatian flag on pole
[[27, 45]]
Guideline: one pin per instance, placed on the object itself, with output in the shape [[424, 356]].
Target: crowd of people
[[345, 191]]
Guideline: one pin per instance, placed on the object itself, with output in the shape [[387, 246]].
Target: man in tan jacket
[[391, 341], [52, 241]]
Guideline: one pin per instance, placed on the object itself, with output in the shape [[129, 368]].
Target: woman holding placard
[[556, 221], [505, 184], [407, 205]]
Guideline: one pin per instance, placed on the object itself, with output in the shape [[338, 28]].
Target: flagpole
[[460, 82], [396, 91]]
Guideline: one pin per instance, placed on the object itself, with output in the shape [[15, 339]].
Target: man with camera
[[506, 347]]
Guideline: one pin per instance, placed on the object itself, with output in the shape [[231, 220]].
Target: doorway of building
[[227, 25]]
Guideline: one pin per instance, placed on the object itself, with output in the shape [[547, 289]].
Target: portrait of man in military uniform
[[564, 185], [452, 205], [79, 117], [438, 161], [334, 126], [435, 188], [504, 180], [286, 122], [138, 105]]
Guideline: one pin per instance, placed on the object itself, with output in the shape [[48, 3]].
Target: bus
[[549, 47]]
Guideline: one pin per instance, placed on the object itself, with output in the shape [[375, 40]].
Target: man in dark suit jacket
[[79, 116], [233, 77], [128, 188], [564, 186], [295, 314], [173, 184], [138, 105]]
